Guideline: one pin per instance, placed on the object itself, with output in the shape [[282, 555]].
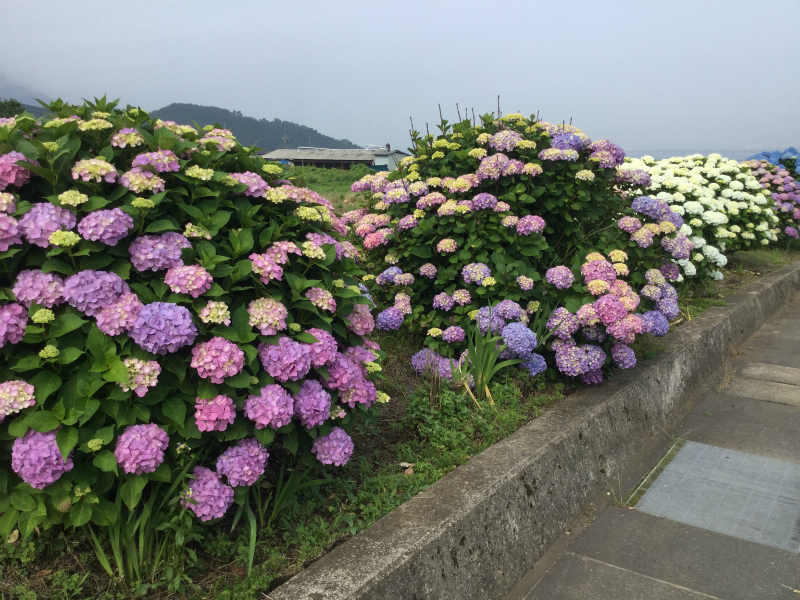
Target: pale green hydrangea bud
[[64, 239], [95, 444], [48, 351], [43, 315]]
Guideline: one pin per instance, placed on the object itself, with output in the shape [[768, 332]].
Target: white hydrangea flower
[[685, 230], [694, 208], [717, 275]]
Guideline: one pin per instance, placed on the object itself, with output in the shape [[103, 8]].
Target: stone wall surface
[[478, 530]]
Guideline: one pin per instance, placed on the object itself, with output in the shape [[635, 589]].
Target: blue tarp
[[776, 157]]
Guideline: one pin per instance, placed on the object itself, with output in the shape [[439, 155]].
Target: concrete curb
[[478, 530]]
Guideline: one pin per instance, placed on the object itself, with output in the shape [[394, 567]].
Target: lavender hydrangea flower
[[336, 448], [35, 457], [592, 377], [42, 220], [217, 359], [461, 297], [312, 404], [9, 232], [13, 318], [609, 309], [140, 448], [361, 321], [361, 392], [189, 279], [119, 317], [33, 285], [595, 356], [508, 309], [163, 160], [599, 270], [623, 356], [593, 333], [658, 324], [680, 247], [520, 340], [484, 201], [571, 360], [390, 319], [488, 318], [268, 315], [256, 186], [493, 167], [443, 301], [505, 140], [163, 327], [670, 270], [561, 277], [214, 414], [388, 275], [344, 373], [535, 364], [106, 226], [287, 361], [15, 395], [453, 334], [324, 349], [567, 141], [243, 463], [530, 224], [607, 154], [629, 224], [525, 283], [92, 291], [139, 180], [210, 498], [158, 252], [475, 272], [563, 323], [273, 407]]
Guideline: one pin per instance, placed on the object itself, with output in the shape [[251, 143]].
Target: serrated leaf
[[131, 490], [239, 381], [162, 473], [80, 514], [175, 409], [117, 372], [22, 501], [68, 355], [42, 421], [59, 266], [66, 439], [265, 436], [45, 383], [160, 225], [26, 364], [64, 324], [106, 461], [100, 345]]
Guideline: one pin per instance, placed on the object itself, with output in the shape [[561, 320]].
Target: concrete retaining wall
[[477, 531]]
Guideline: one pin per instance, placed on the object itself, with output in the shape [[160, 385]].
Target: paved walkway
[[717, 508]]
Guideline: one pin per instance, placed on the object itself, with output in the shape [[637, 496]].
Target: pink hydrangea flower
[[189, 279], [33, 285], [243, 463], [361, 320], [142, 374], [106, 226], [35, 457], [273, 407], [217, 359], [12, 174], [321, 299], [140, 448], [287, 361], [120, 316], [336, 448], [214, 414], [208, 497], [268, 315], [9, 232], [13, 318], [323, 350], [42, 220], [15, 395], [312, 404]]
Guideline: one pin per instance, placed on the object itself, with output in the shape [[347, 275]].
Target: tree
[[11, 107]]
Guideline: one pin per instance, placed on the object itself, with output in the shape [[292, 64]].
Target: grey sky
[[696, 74]]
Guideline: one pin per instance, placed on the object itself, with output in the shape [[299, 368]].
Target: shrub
[[509, 209], [783, 190], [724, 207], [165, 305]]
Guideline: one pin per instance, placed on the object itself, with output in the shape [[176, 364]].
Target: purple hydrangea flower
[[593, 333], [344, 373], [623, 356], [428, 270], [287, 361], [492, 167], [508, 309], [139, 180], [519, 339], [391, 318], [273, 407], [35, 457], [609, 309], [658, 324], [44, 289], [361, 392], [599, 269], [592, 377], [312, 404], [475, 273], [256, 186], [106, 226], [488, 318], [629, 224], [505, 140], [535, 364], [563, 323], [158, 252], [210, 498], [243, 463], [680, 247], [140, 448], [119, 317], [668, 307], [607, 154], [214, 414], [92, 291], [571, 360], [407, 222], [324, 349], [561, 277], [443, 301], [567, 141], [336, 448], [453, 334], [163, 160], [41, 221], [361, 321], [13, 318], [670, 270], [217, 359], [388, 275], [163, 327], [268, 315], [484, 201], [595, 356], [9, 232], [530, 224], [635, 177]]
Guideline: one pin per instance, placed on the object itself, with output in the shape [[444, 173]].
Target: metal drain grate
[[743, 495]]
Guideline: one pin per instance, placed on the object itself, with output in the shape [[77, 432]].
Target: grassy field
[[333, 184]]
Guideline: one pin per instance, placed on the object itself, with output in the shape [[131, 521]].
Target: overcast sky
[[647, 74]]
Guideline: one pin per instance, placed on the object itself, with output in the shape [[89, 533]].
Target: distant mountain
[[36, 111], [265, 134]]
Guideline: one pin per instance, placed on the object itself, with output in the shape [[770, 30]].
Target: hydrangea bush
[[165, 301], [724, 207], [784, 191], [508, 210]]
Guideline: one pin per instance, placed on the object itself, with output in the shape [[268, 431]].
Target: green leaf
[[104, 433], [64, 324], [176, 364], [100, 345], [290, 441], [422, 251], [66, 439], [241, 270], [95, 262], [162, 473], [131, 490], [44, 384], [17, 427], [7, 523], [26, 364], [106, 461], [42, 421], [265, 436], [68, 355], [239, 381], [104, 513], [160, 225], [59, 266], [22, 501], [80, 513], [305, 338], [117, 372], [175, 409]]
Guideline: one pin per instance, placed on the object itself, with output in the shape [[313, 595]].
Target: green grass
[[333, 184]]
